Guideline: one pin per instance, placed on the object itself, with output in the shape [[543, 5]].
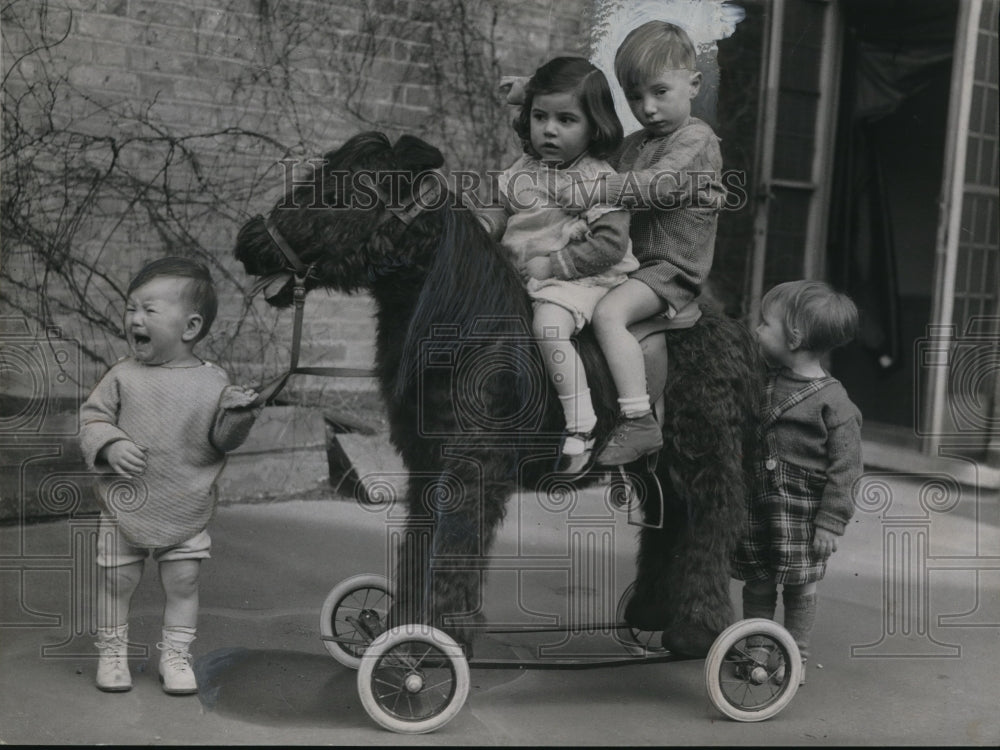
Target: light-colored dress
[[538, 226]]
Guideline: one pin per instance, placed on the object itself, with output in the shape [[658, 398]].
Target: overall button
[[771, 464]]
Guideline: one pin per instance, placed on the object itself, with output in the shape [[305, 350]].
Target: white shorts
[[114, 550], [579, 299]]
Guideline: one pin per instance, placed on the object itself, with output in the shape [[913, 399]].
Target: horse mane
[[471, 283]]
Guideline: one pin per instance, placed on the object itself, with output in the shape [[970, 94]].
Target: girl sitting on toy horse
[[669, 178]]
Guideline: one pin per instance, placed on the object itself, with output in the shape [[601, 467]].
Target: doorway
[[884, 212]]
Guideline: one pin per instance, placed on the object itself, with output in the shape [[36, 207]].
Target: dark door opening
[[884, 210]]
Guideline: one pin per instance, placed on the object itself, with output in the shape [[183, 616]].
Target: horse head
[[335, 227], [374, 215]]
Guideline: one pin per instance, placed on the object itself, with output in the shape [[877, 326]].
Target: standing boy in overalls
[[811, 430]]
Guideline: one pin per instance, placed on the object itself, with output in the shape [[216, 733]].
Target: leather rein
[[300, 272]]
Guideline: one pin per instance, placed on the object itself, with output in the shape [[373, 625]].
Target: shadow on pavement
[[277, 688]]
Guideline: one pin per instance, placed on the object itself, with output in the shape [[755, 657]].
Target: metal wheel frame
[[349, 655], [636, 642], [744, 688], [413, 679]]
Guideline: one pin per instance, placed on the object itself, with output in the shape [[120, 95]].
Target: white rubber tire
[[717, 656], [402, 637], [332, 604]]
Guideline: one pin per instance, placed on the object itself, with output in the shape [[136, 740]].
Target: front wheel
[[752, 670], [354, 614], [413, 679]]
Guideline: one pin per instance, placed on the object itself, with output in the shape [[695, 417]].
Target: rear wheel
[[354, 614], [636, 642]]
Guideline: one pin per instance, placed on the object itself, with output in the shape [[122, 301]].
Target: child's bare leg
[[180, 587], [114, 596], [553, 326], [180, 619], [626, 304]]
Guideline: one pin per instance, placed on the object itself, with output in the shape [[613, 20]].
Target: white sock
[[116, 631], [634, 407], [579, 411], [178, 636]]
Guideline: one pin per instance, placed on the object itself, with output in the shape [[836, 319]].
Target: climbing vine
[[99, 179]]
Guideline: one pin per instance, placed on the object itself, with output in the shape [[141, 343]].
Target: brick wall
[[147, 127]]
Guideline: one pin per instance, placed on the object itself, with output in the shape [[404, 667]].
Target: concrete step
[[294, 451], [283, 457], [291, 452], [366, 468], [44, 478]]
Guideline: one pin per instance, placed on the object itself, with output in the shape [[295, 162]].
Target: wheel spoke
[[740, 689], [742, 653], [389, 679], [395, 702], [387, 683], [346, 621], [419, 659], [414, 679], [354, 614], [368, 594], [742, 667], [446, 680]]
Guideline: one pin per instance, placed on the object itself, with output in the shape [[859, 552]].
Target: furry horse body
[[472, 413]]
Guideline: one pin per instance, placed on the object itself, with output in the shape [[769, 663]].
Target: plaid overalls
[[777, 544]]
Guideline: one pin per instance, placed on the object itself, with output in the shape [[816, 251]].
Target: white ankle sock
[[115, 631], [579, 411], [178, 636], [635, 406]]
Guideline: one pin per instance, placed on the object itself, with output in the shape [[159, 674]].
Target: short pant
[[777, 543], [579, 299], [114, 550]]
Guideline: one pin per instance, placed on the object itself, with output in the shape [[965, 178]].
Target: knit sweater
[[673, 186], [822, 433], [173, 413]]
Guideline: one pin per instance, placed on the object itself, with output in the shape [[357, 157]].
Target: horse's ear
[[416, 155]]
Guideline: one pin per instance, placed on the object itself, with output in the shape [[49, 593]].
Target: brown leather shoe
[[631, 439]]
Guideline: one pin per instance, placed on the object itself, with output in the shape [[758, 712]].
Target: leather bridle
[[300, 272]]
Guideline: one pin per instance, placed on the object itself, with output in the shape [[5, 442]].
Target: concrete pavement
[[906, 647]]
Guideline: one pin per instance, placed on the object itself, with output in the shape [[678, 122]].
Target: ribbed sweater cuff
[[831, 523], [561, 266]]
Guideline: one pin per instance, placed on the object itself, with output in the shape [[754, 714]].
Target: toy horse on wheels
[[469, 405]]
